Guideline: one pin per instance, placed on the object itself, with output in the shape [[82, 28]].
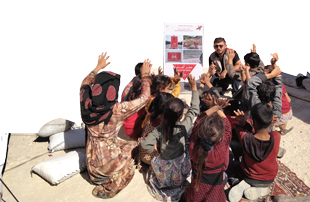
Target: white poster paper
[[183, 49]]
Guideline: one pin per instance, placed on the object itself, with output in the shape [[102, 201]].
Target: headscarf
[[97, 102]]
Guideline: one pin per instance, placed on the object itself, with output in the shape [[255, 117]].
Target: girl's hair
[[208, 132], [158, 104], [173, 111], [138, 68], [269, 68], [136, 88], [159, 82]]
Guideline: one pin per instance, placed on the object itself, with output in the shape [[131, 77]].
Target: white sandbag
[[55, 126], [67, 140], [289, 80], [60, 168], [306, 84]]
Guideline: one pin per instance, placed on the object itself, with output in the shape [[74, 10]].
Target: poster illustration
[[183, 49]]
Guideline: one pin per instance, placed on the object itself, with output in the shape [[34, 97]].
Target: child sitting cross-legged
[[209, 151], [258, 167], [170, 168]]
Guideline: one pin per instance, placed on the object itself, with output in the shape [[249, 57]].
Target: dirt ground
[[24, 153]]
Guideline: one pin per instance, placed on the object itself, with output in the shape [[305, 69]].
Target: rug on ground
[[286, 183]]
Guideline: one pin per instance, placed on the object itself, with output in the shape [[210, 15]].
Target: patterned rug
[[286, 183]]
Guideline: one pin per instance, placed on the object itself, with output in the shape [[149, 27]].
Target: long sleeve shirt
[[175, 146], [252, 85]]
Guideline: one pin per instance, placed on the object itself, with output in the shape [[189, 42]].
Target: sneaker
[[281, 152], [236, 193], [254, 193], [285, 131]]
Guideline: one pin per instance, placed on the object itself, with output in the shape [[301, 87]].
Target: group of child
[[203, 141]]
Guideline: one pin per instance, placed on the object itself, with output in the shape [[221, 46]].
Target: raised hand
[[254, 49], [192, 81], [160, 71], [240, 117], [274, 58], [231, 54], [209, 99], [102, 62], [177, 75], [223, 102], [146, 68], [212, 69]]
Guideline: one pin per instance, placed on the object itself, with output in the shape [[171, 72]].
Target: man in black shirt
[[226, 62]]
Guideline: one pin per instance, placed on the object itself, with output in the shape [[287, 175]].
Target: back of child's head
[[138, 68], [207, 133], [157, 106], [229, 110], [136, 88], [266, 91], [202, 105], [159, 82], [173, 111], [268, 69], [262, 115], [252, 59]]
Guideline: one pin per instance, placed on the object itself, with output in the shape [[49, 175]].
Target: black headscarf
[[97, 103]]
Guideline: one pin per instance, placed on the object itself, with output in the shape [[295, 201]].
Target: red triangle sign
[[186, 68]]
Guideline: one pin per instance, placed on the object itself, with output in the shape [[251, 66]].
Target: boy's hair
[[173, 111], [208, 132], [262, 115], [252, 59], [138, 68], [157, 106], [218, 40], [159, 82], [266, 91], [269, 68]]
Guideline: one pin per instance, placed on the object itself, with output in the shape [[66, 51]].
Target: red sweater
[[268, 168]]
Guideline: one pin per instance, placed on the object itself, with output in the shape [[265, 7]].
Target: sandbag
[[306, 84], [55, 126], [60, 168], [67, 140], [289, 80]]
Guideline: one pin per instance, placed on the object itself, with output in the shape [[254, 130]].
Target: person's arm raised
[[102, 62], [274, 73]]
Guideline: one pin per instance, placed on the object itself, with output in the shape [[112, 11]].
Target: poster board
[[183, 50]]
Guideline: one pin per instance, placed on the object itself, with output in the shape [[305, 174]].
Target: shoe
[[236, 193], [254, 193], [285, 131], [232, 181], [281, 152]]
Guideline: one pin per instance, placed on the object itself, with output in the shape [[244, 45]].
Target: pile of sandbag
[[297, 86], [63, 134]]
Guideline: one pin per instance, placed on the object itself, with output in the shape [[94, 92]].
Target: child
[[209, 151], [156, 115], [162, 83], [287, 112], [108, 158], [171, 167], [258, 167]]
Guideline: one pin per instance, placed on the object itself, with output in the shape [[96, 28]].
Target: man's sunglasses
[[218, 46]]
